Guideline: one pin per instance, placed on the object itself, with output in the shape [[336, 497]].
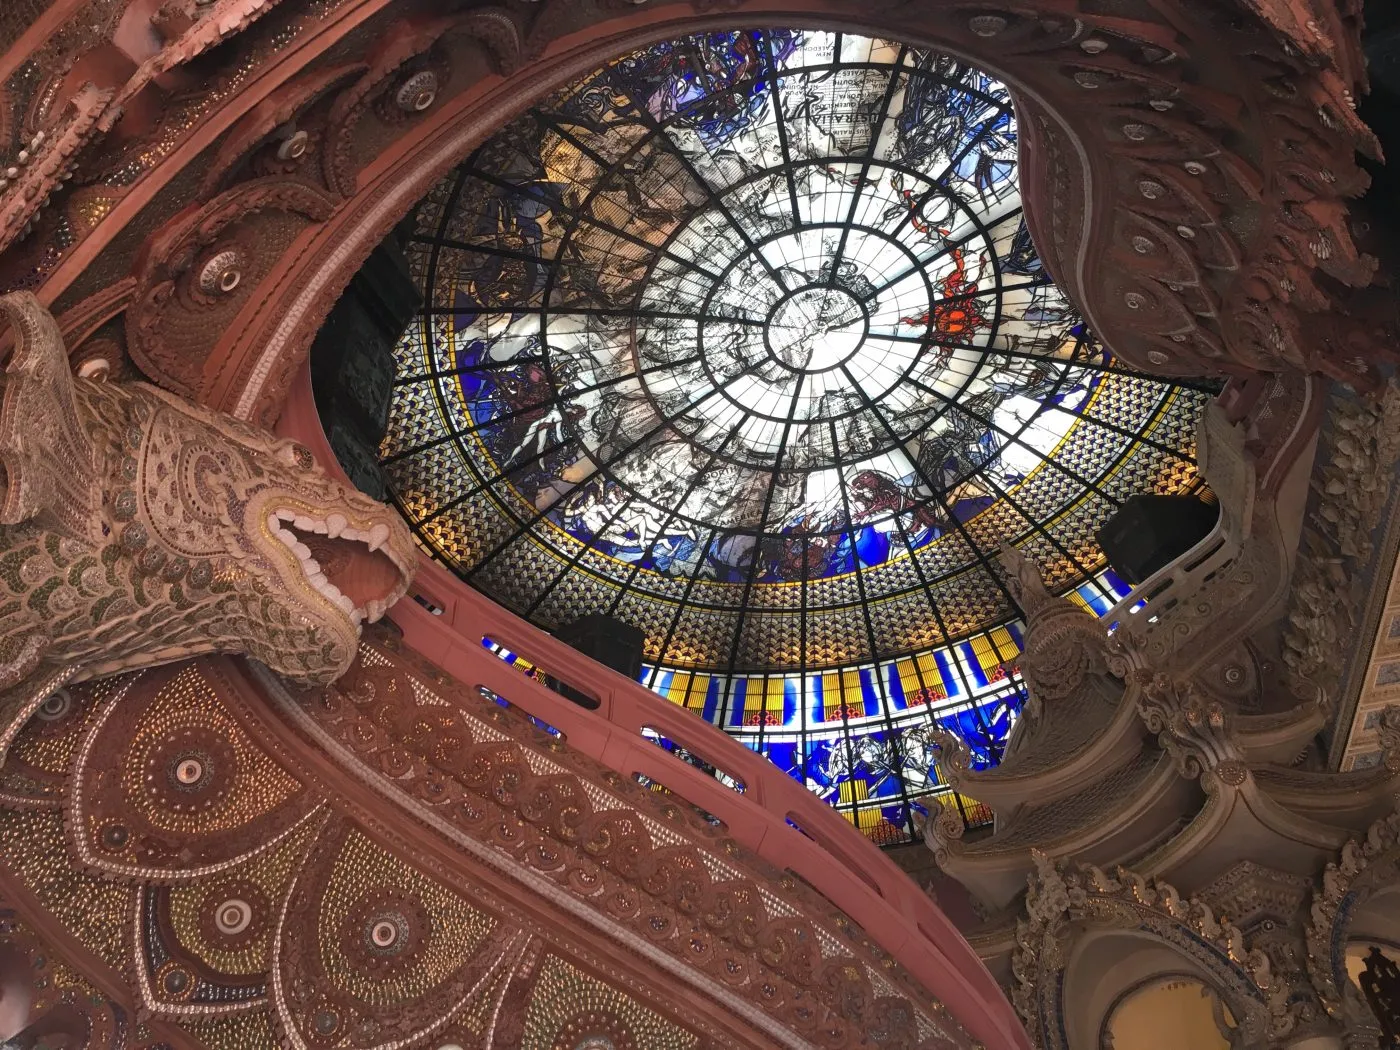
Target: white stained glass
[[742, 338]]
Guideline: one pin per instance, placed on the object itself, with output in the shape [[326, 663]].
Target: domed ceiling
[[743, 340]]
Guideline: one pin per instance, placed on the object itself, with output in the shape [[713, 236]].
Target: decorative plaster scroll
[[1192, 729]]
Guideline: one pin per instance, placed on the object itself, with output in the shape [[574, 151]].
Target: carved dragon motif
[[137, 528]]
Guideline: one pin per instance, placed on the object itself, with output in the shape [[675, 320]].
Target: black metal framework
[[744, 335]]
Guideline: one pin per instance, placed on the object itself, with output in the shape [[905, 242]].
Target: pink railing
[[775, 817], [862, 882]]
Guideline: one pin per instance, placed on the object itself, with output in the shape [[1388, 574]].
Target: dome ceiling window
[[742, 340]]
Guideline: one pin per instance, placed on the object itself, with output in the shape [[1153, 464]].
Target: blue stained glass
[[738, 690], [825, 767], [946, 671], [985, 728], [973, 665], [1116, 584], [894, 688], [1095, 598], [744, 336], [869, 696]]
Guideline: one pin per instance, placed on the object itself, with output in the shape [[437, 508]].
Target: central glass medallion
[[814, 329]]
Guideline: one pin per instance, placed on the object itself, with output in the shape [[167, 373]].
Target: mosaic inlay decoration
[[742, 339]]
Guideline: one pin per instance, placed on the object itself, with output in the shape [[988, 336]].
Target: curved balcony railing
[[1249, 441], [1156, 596], [774, 816]]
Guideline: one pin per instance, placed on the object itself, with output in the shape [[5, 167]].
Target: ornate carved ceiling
[[191, 184], [1189, 163], [394, 860]]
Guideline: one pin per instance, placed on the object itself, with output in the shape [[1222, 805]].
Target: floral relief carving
[[1357, 460]]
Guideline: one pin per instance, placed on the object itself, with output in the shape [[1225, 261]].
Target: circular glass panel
[[742, 339]]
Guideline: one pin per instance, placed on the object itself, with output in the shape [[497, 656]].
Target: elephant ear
[[50, 463]]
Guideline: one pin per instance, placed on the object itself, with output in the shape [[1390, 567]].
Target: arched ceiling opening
[[742, 339]]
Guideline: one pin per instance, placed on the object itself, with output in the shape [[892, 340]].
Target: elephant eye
[[297, 455]]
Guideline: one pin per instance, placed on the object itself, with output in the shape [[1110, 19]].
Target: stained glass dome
[[743, 340]]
